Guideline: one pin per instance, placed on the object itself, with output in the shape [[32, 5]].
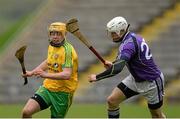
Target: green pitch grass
[[92, 111]]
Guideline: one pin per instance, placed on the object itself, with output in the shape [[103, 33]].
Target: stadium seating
[[12, 11], [93, 16]]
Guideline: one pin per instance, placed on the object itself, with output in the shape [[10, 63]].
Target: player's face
[[56, 37], [115, 37]]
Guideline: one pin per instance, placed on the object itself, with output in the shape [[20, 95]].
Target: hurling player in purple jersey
[[145, 77]]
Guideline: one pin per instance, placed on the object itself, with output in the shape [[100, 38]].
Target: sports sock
[[113, 114]]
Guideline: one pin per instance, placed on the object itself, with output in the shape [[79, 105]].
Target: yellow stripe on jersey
[[57, 59]]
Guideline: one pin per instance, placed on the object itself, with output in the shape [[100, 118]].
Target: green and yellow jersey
[[58, 58]]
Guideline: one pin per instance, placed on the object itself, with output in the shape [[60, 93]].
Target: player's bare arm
[[28, 74], [116, 68], [40, 68], [65, 74]]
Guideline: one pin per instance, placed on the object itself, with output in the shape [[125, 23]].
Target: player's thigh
[[155, 96], [61, 101], [119, 93], [117, 96], [31, 107]]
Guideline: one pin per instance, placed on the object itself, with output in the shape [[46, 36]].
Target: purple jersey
[[136, 52]]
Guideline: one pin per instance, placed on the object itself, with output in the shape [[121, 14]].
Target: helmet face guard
[[57, 27], [56, 44]]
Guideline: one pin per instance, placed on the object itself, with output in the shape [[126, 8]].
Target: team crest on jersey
[[56, 56], [55, 65]]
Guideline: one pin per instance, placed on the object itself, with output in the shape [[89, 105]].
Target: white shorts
[[153, 91]]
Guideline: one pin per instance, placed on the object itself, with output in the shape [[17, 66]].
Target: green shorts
[[59, 102]]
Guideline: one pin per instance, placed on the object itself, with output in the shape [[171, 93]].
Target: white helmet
[[117, 24]]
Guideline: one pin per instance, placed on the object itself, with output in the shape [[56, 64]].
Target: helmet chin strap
[[120, 39], [56, 44]]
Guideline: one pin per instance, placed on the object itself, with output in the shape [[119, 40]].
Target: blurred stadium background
[[26, 22]]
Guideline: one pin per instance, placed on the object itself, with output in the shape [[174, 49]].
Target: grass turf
[[92, 111]]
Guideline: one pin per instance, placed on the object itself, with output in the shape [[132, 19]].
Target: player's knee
[[111, 101], [26, 113]]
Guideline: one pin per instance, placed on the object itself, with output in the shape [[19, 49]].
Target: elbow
[[117, 70]]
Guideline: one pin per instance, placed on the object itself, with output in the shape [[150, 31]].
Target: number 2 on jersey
[[145, 47]]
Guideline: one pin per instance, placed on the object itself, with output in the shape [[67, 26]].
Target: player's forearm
[[115, 69], [59, 76], [43, 66]]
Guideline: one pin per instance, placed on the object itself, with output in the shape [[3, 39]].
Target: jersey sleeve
[[127, 51], [68, 57]]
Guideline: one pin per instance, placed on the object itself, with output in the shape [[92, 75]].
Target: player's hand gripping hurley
[[20, 56], [72, 27]]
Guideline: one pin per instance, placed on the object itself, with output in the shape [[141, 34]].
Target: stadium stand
[[93, 16], [12, 11]]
